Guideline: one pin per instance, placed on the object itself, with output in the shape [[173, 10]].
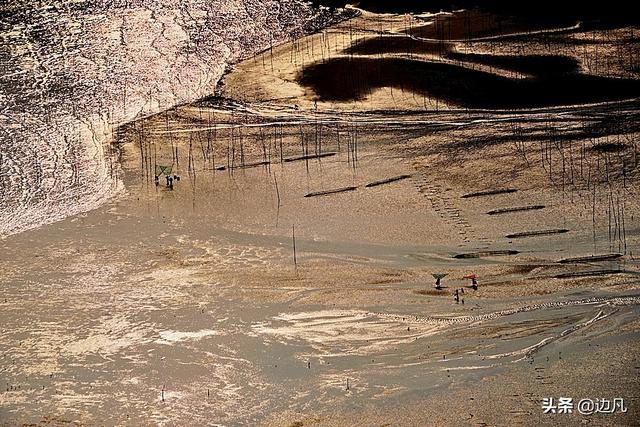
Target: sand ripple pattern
[[616, 301], [70, 71]]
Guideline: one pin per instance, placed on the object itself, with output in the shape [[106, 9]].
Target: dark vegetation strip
[[253, 165], [245, 166], [309, 157], [470, 255], [489, 192], [537, 233], [266, 162], [590, 258], [515, 209], [591, 273], [387, 181], [328, 192]]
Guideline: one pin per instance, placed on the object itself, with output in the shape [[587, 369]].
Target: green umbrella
[[438, 276], [163, 170]]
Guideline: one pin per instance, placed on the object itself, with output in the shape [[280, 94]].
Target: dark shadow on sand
[[351, 79], [528, 64], [398, 44]]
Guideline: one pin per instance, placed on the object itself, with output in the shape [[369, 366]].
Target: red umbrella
[[471, 276]]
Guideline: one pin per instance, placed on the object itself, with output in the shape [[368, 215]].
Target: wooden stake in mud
[[275, 179], [281, 137], [295, 257]]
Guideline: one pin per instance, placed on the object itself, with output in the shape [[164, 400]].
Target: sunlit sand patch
[[171, 395], [69, 398], [343, 382], [160, 288], [172, 337], [386, 391], [527, 351], [468, 368], [13, 398], [225, 392], [342, 332], [233, 256], [220, 255], [110, 337], [44, 360], [133, 381]]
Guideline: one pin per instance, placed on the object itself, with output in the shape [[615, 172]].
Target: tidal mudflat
[[287, 278]]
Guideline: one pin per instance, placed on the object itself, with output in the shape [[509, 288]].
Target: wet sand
[[185, 305]]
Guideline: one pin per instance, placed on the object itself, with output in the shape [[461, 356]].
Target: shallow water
[[156, 341], [154, 310]]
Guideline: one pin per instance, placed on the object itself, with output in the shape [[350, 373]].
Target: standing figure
[[438, 277]]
